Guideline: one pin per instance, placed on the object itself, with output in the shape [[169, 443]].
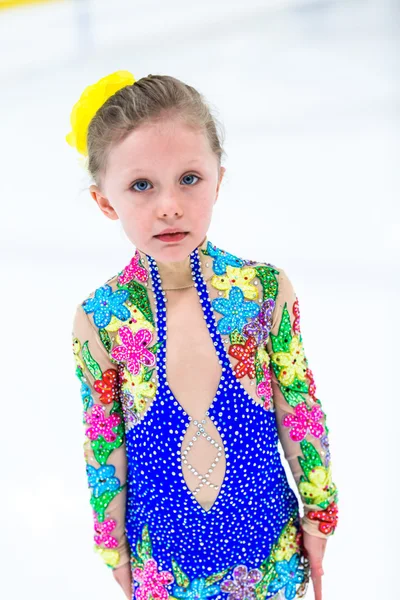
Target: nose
[[169, 206]]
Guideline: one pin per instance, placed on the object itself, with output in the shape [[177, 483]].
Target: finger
[[317, 583]]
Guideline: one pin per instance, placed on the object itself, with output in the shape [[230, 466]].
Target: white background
[[308, 93]]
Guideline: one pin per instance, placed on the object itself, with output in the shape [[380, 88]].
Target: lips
[[172, 237], [170, 232]]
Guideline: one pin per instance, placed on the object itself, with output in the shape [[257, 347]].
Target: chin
[[175, 251]]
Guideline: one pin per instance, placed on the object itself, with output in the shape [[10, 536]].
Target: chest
[[193, 353], [193, 369]]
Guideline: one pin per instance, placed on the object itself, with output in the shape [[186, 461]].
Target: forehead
[[160, 143]]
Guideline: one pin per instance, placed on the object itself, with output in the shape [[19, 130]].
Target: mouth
[[172, 237]]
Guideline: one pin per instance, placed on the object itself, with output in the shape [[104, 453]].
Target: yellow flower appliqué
[[263, 356], [110, 557], [293, 363], [287, 544], [319, 487], [238, 277], [136, 321], [139, 389], [92, 98]]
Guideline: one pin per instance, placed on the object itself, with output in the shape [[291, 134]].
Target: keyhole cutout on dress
[[193, 375]]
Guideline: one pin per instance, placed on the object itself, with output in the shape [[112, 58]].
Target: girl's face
[[163, 175]]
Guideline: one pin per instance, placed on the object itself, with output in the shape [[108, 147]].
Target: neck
[[175, 275]]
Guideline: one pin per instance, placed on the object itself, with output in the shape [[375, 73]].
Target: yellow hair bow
[[92, 98]]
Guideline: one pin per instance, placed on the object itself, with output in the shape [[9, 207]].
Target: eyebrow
[[131, 172]]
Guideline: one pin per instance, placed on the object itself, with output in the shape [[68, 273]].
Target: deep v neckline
[[227, 378], [206, 306]]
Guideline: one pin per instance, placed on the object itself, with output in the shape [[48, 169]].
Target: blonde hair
[[151, 98]]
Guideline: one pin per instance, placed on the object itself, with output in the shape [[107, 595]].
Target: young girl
[[192, 368]]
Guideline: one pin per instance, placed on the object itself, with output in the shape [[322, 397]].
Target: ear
[[103, 202], [221, 175]]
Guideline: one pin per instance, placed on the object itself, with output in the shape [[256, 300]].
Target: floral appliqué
[[304, 420], [133, 350], [106, 303], [151, 581]]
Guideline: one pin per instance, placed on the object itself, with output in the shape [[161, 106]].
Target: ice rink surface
[[308, 94]]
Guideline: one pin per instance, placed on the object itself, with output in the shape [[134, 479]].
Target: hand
[[124, 577], [315, 550]]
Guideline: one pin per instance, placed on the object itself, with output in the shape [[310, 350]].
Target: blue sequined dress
[[255, 502], [249, 543]]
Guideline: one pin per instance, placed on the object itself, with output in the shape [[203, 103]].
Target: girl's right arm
[[104, 446]]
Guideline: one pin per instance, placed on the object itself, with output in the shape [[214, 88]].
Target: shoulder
[[104, 301], [274, 279], [223, 258]]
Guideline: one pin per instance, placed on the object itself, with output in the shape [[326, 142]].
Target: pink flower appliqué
[[264, 388], [303, 421], [103, 530], [100, 424], [133, 271], [152, 582], [133, 350]]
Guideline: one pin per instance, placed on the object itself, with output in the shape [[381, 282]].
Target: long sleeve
[[301, 422], [104, 446]]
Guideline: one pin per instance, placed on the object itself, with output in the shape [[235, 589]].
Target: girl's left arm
[[301, 421]]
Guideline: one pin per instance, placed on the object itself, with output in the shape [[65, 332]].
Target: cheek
[[135, 219], [203, 206], [132, 211]]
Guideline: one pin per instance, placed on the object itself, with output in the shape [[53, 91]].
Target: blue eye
[[139, 182], [191, 175], [144, 181]]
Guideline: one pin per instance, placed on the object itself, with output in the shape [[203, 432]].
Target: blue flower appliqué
[[106, 303], [289, 574], [197, 589], [236, 311], [222, 259], [86, 396], [102, 479]]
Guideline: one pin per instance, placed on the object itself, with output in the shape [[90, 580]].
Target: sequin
[[133, 271], [86, 396], [106, 303], [110, 557], [327, 518], [325, 445], [102, 480], [103, 532], [260, 327], [292, 362], [222, 259], [264, 388], [289, 574], [304, 421], [107, 386], [101, 425], [235, 277], [100, 503], [245, 354], [318, 488], [133, 351], [241, 586], [197, 589], [236, 311], [151, 581]]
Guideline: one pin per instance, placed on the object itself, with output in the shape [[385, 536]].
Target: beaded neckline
[[223, 358], [204, 299]]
